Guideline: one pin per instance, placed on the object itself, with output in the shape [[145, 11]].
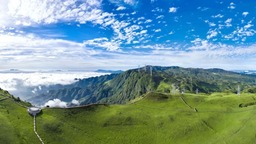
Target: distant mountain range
[[128, 85], [251, 72], [109, 71]]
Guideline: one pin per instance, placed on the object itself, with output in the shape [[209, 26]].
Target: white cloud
[[120, 8], [102, 43], [200, 44], [56, 103], [218, 16], [160, 17], [131, 33], [141, 18], [156, 47], [130, 2], [75, 102], [30, 12], [157, 30], [241, 32], [148, 21], [58, 11], [211, 24], [232, 5], [157, 9], [202, 54], [8, 79], [245, 14], [211, 34], [133, 13], [173, 9], [249, 25], [203, 8], [143, 31], [228, 22], [171, 32], [31, 48], [31, 52]]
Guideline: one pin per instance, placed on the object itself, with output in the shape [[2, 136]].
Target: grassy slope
[[16, 126], [158, 118], [155, 119]]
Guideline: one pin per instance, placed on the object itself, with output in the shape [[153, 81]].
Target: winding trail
[[36, 131]]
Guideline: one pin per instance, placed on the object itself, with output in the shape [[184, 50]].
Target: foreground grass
[[15, 124], [156, 119]]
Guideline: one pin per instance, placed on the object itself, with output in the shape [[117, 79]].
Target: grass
[[16, 125], [156, 119]]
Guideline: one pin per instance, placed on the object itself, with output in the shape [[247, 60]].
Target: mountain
[[109, 71], [158, 118], [250, 72], [131, 84]]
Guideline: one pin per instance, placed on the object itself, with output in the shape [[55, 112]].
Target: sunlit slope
[[157, 118], [16, 126]]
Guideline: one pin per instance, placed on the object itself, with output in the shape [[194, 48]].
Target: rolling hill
[[124, 87], [158, 118]]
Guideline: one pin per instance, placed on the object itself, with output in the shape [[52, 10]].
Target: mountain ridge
[[126, 86]]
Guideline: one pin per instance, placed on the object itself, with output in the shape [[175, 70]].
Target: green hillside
[[16, 126], [131, 84], [158, 118]]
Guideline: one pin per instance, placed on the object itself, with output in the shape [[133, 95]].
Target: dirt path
[[36, 131]]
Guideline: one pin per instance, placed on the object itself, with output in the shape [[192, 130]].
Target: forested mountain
[[123, 87]]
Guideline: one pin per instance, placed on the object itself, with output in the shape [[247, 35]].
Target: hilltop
[[129, 85]]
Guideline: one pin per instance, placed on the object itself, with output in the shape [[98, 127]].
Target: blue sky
[[123, 34]]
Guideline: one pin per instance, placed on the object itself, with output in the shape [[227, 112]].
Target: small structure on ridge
[[34, 110]]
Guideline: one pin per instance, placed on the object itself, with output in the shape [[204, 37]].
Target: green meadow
[[155, 119]]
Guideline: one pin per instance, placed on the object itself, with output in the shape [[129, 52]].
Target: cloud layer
[[26, 84]]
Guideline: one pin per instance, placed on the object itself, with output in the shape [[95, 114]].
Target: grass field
[[155, 119], [15, 124]]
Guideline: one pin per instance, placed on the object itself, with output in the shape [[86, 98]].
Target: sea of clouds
[[27, 84]]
